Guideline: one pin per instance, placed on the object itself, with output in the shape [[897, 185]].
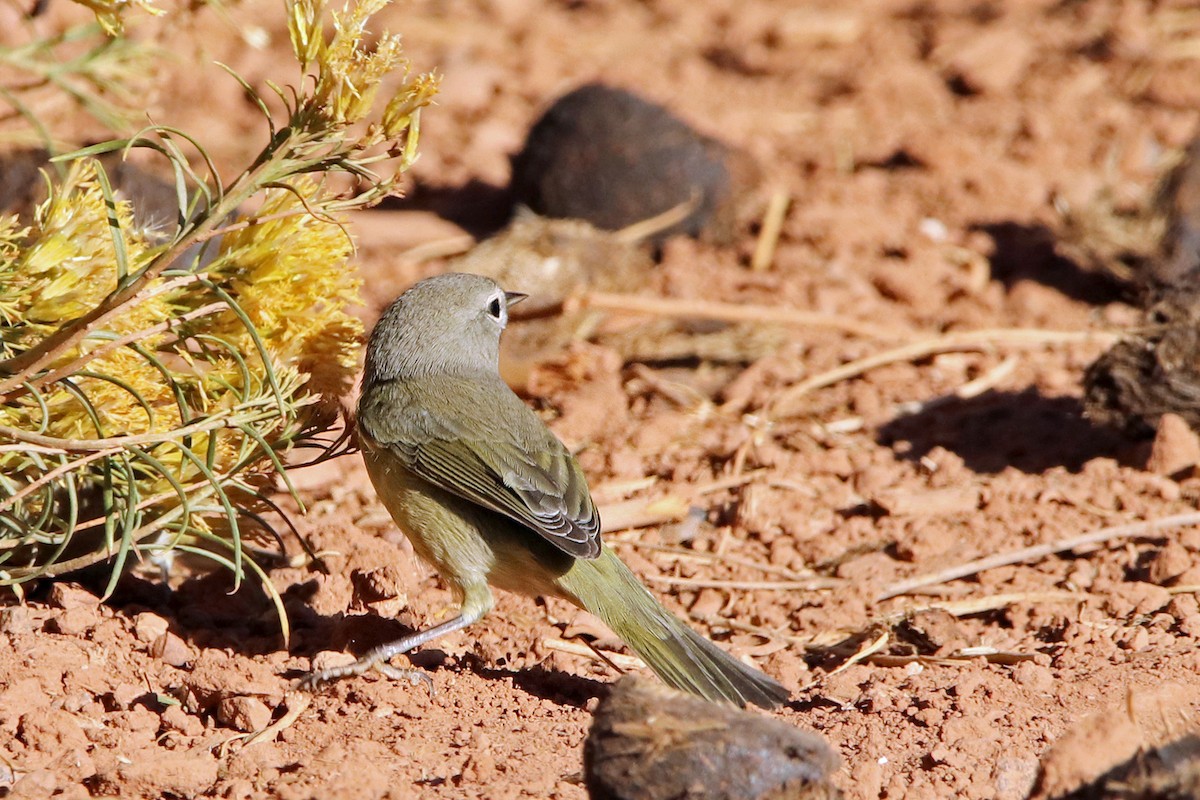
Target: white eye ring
[[496, 308]]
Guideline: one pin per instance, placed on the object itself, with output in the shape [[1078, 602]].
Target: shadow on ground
[[1026, 252], [1007, 429], [477, 207], [204, 612]]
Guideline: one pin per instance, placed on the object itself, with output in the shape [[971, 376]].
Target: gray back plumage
[[433, 396]]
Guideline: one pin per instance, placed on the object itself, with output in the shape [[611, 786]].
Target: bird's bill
[[512, 298]]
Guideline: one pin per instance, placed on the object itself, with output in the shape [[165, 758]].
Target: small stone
[[1034, 677], [480, 767], [148, 626], [932, 631], [994, 61], [50, 730], [38, 783], [649, 742], [246, 714], [327, 659], [239, 789], [381, 590], [947, 502], [71, 595], [75, 621], [170, 649], [1176, 447], [708, 603], [17, 620], [1171, 561], [1137, 640], [124, 695], [155, 772], [175, 718], [1136, 598]]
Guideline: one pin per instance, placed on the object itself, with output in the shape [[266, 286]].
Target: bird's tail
[[681, 657]]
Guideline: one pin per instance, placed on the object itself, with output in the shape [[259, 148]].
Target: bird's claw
[[314, 679], [413, 675]]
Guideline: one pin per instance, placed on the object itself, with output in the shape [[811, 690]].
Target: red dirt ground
[[926, 146]]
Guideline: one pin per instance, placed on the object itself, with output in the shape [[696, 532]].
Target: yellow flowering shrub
[[149, 380]]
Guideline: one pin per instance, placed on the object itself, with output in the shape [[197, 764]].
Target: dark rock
[[649, 742]]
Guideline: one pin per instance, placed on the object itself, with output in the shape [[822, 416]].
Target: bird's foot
[[314, 679], [379, 657]]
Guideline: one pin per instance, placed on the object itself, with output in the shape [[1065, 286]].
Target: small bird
[[490, 497]]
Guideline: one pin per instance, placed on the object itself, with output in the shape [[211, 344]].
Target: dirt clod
[[1176, 447], [148, 626], [71, 595], [612, 158], [648, 742], [171, 649], [246, 714], [1155, 370]]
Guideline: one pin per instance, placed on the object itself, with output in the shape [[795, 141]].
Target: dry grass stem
[[682, 395], [438, 248], [629, 514], [731, 312], [866, 651], [620, 661], [809, 585], [966, 656], [735, 625], [639, 513], [979, 605], [1148, 528], [988, 339], [973, 388], [958, 608], [612, 490], [768, 236], [705, 557], [644, 229], [297, 702]]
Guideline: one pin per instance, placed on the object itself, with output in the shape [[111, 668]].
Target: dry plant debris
[[650, 743], [153, 376], [923, 148], [607, 156]]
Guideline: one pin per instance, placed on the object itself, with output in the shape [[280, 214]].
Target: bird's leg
[[378, 657]]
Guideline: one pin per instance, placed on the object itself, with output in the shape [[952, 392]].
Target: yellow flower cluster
[[109, 13], [61, 268], [349, 72], [148, 379], [249, 339], [291, 277]]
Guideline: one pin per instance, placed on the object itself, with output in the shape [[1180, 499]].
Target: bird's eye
[[494, 307]]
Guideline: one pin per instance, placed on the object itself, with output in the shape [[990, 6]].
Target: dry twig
[[732, 312], [866, 651], [297, 702], [768, 236], [748, 586], [1132, 530], [618, 660], [987, 339]]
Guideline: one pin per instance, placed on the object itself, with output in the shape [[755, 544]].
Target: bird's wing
[[544, 491], [540, 485]]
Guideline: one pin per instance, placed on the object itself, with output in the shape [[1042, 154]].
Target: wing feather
[[536, 482]]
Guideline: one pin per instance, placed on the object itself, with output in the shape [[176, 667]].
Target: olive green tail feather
[[679, 656]]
